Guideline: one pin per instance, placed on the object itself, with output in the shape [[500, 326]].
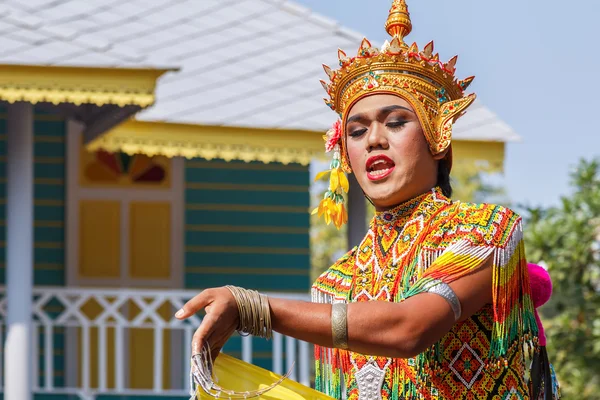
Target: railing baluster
[[35, 357], [277, 353], [85, 357], [119, 350], [113, 302], [290, 357], [158, 359], [304, 363], [247, 349], [49, 356], [102, 350]]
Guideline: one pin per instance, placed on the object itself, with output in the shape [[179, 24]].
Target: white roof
[[253, 63]]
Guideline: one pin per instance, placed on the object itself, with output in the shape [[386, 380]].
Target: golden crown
[[427, 84], [417, 76]]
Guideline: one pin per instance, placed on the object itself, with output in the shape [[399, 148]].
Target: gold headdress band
[[418, 77]]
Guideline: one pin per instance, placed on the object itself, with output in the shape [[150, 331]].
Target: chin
[[386, 195]]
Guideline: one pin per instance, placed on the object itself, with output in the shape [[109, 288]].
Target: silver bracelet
[[339, 325], [443, 289]]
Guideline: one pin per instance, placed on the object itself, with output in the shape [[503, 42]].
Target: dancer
[[435, 302]]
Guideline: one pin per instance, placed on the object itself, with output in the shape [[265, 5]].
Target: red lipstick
[[379, 167]]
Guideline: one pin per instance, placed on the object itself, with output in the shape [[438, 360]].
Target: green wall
[[247, 224]]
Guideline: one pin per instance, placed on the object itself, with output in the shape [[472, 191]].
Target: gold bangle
[[254, 312], [339, 325]]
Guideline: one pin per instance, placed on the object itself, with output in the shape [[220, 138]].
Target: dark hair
[[443, 177]]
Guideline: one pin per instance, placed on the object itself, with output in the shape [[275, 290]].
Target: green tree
[[471, 182], [566, 238]]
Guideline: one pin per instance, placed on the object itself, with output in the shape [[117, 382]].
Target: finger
[[196, 304], [200, 338]]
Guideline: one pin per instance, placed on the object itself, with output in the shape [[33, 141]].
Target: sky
[[536, 65]]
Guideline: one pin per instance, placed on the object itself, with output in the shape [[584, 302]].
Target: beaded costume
[[424, 242], [406, 249]]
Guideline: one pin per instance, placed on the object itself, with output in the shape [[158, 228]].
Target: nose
[[377, 137]]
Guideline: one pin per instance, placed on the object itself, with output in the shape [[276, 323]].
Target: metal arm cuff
[[339, 325], [442, 289]]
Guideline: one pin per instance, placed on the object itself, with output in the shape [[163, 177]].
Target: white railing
[[99, 329]]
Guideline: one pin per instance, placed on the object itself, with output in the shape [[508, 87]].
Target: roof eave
[[79, 85], [211, 142]]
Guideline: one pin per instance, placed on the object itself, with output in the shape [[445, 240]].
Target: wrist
[[254, 314]]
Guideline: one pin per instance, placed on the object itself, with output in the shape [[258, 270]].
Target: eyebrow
[[381, 111]]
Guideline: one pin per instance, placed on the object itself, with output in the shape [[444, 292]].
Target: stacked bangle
[[254, 310]]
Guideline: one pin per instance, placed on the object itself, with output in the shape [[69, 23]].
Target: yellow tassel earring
[[332, 206]]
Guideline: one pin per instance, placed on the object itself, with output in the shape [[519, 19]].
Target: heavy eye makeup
[[392, 122]]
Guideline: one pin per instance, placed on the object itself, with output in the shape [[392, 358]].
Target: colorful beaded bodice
[[431, 238]]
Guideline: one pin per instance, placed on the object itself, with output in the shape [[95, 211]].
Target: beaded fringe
[[329, 377]]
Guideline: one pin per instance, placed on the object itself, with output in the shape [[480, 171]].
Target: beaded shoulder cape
[[431, 239]]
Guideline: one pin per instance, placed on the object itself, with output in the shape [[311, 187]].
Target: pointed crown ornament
[[417, 76]]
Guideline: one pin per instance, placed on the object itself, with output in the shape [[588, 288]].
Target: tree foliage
[[472, 182], [566, 238]]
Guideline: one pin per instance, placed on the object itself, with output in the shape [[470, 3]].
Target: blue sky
[[537, 67]]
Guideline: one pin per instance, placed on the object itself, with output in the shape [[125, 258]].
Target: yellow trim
[[246, 208], [48, 245], [247, 229], [49, 160], [42, 181], [248, 188], [212, 142], [48, 267], [49, 203], [248, 271], [41, 160], [78, 85], [49, 224], [49, 181], [244, 167], [48, 139], [246, 250]]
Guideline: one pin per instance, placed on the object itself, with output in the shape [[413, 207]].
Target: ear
[[441, 155]]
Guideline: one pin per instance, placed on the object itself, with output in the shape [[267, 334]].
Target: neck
[[406, 198], [404, 211]]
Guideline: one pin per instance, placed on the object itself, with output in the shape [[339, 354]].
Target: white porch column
[[19, 252], [357, 213]]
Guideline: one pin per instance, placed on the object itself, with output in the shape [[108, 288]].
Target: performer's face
[[387, 150]]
